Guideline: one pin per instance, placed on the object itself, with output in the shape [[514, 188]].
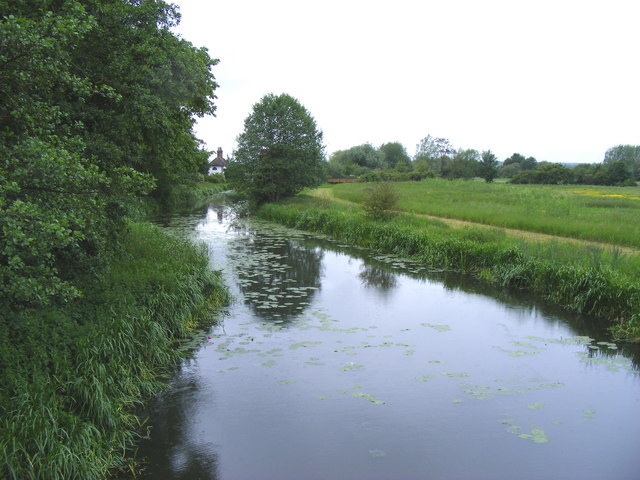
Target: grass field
[[602, 214]]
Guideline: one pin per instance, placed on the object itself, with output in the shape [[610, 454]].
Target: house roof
[[219, 161]]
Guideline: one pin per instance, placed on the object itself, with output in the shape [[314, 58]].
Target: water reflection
[[278, 277], [374, 276], [173, 412]]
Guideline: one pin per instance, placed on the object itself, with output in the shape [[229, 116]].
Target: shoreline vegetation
[[75, 375], [589, 279]]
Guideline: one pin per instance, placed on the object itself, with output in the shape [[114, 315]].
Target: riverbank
[[73, 375], [602, 284]]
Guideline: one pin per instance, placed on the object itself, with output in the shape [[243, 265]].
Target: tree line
[[98, 106], [436, 157]]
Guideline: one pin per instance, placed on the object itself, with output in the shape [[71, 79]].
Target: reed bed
[[74, 375]]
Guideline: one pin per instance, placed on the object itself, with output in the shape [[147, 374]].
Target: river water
[[335, 363]]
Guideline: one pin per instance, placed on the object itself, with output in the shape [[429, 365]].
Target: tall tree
[[435, 151], [488, 168], [156, 82], [279, 152]]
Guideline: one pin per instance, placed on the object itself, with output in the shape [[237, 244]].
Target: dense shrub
[[546, 174], [380, 200], [393, 176]]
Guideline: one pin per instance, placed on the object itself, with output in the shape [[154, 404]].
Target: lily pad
[[455, 375], [350, 366], [377, 453], [287, 382], [536, 436], [367, 396], [303, 345], [439, 328]]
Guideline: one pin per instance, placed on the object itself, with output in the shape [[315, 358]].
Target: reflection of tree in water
[[378, 277], [172, 416], [277, 277]]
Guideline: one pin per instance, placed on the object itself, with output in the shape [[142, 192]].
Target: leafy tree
[[152, 85], [435, 151], [618, 173], [629, 154], [280, 151], [366, 156], [528, 163], [464, 164], [341, 164], [515, 158], [357, 160], [97, 100], [434, 147], [510, 170], [488, 168], [395, 155], [421, 167]]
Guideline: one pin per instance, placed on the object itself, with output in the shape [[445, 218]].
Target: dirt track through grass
[[327, 194]]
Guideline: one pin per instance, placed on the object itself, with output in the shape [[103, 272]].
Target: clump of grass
[[73, 376]]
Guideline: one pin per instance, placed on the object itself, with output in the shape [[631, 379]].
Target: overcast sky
[[555, 79]]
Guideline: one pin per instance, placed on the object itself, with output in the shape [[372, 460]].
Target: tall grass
[[73, 376], [604, 214], [608, 288]]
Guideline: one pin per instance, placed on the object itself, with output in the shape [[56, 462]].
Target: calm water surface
[[335, 365]]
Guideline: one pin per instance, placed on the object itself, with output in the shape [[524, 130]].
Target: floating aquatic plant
[[439, 328]]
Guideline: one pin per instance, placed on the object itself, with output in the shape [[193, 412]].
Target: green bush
[[215, 178], [379, 201]]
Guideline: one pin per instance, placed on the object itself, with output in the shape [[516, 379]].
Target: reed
[[73, 376]]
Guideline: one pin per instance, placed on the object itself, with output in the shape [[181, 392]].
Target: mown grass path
[[328, 194]]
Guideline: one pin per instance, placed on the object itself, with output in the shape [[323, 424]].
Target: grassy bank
[[72, 375], [603, 214], [604, 284]]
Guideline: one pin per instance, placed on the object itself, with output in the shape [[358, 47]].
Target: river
[[334, 363]]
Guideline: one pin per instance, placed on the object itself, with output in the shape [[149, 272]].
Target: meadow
[[601, 280], [602, 214]]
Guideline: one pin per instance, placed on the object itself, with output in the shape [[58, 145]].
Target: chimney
[[220, 153]]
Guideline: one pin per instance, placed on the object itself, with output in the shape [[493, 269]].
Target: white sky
[[555, 79]]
